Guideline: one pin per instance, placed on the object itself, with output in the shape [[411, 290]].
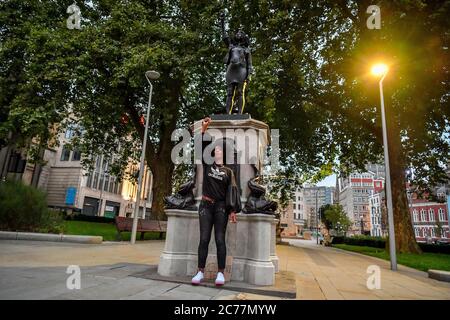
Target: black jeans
[[212, 214]]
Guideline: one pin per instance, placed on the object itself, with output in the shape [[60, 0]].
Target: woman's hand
[[205, 123], [233, 217]]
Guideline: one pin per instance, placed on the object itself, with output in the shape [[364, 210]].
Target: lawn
[[107, 230], [422, 261]]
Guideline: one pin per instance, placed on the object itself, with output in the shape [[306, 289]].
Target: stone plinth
[[251, 139], [251, 242]]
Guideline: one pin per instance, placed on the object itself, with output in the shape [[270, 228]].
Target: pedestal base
[[250, 241]]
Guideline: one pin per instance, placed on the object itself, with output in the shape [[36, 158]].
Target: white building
[[354, 192], [304, 204], [376, 207]]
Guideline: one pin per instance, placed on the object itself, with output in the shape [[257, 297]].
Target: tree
[[310, 59], [34, 79], [335, 218], [321, 78]]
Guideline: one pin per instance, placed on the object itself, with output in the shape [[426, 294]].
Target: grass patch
[[107, 230], [421, 262]]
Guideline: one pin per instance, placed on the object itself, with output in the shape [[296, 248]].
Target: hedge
[[378, 242], [83, 217]]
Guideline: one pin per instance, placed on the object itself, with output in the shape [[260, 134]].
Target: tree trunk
[[161, 164], [162, 186], [405, 240]]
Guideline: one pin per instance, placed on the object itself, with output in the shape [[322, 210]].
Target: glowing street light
[[381, 70]]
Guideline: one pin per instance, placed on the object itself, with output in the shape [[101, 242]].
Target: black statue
[[183, 199], [239, 69], [256, 202]]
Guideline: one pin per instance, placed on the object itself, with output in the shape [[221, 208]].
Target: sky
[[329, 181]]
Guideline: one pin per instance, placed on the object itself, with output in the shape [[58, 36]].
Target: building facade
[[71, 188], [305, 206], [290, 229], [430, 220], [355, 191], [377, 214]]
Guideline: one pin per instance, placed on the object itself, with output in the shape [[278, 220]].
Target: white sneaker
[[220, 279], [198, 278]]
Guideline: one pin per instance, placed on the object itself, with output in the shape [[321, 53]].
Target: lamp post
[[317, 220], [362, 224], [150, 75], [381, 70]]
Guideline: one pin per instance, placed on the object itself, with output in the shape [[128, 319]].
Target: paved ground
[[37, 270]]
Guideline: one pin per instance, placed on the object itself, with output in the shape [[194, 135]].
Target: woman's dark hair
[[226, 146]]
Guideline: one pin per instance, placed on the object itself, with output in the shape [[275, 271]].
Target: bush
[[52, 222], [435, 248], [366, 241], [378, 242], [22, 208], [82, 217], [338, 240]]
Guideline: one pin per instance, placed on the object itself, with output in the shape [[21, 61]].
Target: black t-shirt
[[216, 178]]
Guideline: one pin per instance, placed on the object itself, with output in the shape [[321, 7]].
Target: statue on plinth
[[239, 68]]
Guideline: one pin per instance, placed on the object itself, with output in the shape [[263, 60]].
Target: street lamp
[[381, 70], [317, 220], [150, 75], [362, 224]]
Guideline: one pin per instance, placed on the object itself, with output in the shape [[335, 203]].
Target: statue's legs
[[231, 90], [240, 98]]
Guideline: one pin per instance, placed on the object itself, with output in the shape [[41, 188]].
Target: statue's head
[[241, 38]]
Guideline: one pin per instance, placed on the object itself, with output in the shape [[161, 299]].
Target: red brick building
[[430, 220]]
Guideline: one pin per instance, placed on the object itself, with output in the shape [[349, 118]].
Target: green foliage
[[380, 242], [106, 230], [424, 261], [375, 242], [335, 218], [24, 208], [311, 82]]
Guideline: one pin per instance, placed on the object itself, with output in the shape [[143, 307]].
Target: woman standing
[[220, 202]]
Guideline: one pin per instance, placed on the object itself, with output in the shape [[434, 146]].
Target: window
[[69, 133], [431, 214], [416, 231], [432, 232], [102, 179], [65, 154], [423, 216], [76, 155], [111, 184], [89, 180], [94, 186], [106, 184], [415, 215], [441, 215]]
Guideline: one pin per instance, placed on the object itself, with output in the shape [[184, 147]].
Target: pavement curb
[[439, 275], [32, 236]]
